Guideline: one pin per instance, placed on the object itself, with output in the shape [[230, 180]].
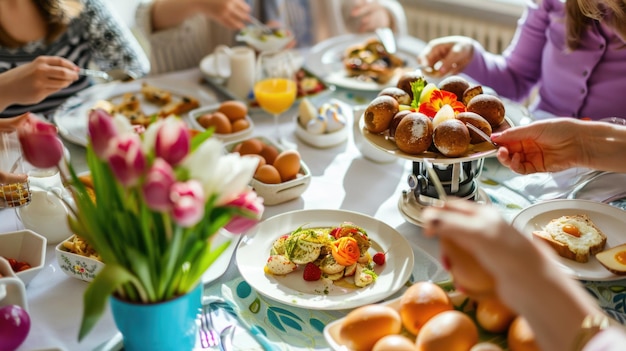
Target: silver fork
[[208, 336]]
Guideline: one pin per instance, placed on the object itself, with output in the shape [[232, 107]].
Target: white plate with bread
[[326, 60], [291, 289], [576, 230], [138, 100]]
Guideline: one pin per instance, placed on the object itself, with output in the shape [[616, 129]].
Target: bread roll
[[488, 106], [414, 133], [396, 120], [407, 78], [471, 92], [379, 113], [456, 85], [400, 95], [477, 121], [452, 138], [364, 326]]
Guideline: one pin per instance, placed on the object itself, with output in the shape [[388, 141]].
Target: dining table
[[342, 178]]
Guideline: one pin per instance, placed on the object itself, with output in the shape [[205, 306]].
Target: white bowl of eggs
[[229, 119], [324, 126], [281, 175]]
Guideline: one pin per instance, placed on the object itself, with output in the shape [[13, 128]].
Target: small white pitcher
[[237, 66], [47, 212]]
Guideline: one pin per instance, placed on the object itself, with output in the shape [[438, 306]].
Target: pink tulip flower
[[173, 141], [126, 159], [157, 185], [188, 199], [40, 144], [249, 201], [101, 131]]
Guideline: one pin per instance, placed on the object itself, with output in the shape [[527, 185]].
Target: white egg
[[279, 265], [317, 125]]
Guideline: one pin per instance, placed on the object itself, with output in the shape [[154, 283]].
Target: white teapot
[[47, 212]]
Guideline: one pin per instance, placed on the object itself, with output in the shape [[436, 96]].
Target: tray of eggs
[[419, 120], [281, 175], [323, 126], [229, 119], [426, 317]]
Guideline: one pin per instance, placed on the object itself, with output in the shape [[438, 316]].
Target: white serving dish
[[274, 194], [193, 115], [324, 140], [24, 246], [77, 266], [12, 290]]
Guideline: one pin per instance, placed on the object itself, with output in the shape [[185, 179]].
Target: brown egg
[[365, 325], [218, 121], [240, 124], [205, 120], [520, 337], [420, 302], [260, 158], [394, 342], [288, 164], [251, 146], [448, 331], [269, 152], [267, 174], [233, 109], [493, 315]]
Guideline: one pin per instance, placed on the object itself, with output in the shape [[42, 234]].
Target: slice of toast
[[614, 259], [156, 95], [178, 108], [574, 237]]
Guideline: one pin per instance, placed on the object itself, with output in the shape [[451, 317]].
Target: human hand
[[371, 15], [550, 145], [32, 82], [447, 55], [233, 14], [481, 250]]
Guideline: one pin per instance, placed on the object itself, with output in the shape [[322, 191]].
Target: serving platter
[[609, 219], [476, 151], [72, 117], [291, 289], [325, 60]]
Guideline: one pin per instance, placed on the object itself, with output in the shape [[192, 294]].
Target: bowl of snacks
[[229, 119], [26, 252], [78, 259], [324, 126], [281, 175], [273, 39]]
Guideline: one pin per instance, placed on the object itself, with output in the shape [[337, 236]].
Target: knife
[[480, 133], [387, 38]]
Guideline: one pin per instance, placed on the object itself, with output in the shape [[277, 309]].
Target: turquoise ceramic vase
[[164, 326]]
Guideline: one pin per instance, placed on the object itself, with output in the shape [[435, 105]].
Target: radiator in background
[[427, 24]]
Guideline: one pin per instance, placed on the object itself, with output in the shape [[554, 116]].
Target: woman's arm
[[560, 143]]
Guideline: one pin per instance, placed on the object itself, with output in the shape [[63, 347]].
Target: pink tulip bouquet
[[160, 196]]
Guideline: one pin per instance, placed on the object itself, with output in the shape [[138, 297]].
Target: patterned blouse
[[96, 36]]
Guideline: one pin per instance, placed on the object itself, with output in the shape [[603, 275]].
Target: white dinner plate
[[71, 117], [219, 267], [609, 219], [254, 250], [325, 60]]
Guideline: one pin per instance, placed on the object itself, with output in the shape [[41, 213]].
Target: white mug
[[12, 289], [237, 64]]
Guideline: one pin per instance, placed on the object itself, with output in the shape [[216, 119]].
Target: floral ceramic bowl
[[75, 265]]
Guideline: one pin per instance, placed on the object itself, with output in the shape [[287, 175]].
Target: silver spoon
[[480, 133]]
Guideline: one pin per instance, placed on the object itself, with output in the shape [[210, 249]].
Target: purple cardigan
[[588, 82]]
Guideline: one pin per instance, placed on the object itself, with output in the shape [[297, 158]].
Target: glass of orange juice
[[275, 87]]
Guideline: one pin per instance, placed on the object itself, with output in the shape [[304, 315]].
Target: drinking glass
[[14, 188], [275, 86]]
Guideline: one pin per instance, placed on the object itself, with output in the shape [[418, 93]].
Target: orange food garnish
[[437, 100], [571, 230], [346, 251]]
